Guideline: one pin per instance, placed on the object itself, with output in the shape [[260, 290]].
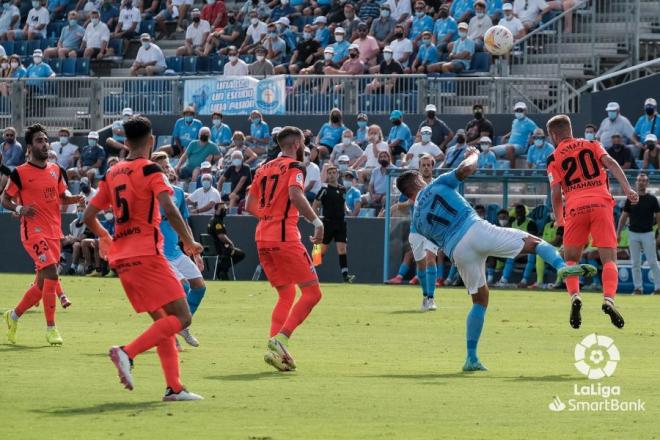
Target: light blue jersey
[[441, 214], [171, 247]]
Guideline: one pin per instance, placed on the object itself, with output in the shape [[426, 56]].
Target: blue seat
[[54, 28], [148, 26], [82, 67], [374, 103], [20, 47], [33, 45], [69, 67], [203, 65], [163, 140], [56, 65], [117, 45], [175, 63], [8, 46], [216, 64], [189, 65]]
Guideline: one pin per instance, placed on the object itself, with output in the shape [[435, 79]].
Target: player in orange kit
[[277, 198], [134, 189], [578, 169], [35, 193]]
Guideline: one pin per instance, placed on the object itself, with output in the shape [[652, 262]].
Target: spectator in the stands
[[35, 25], [340, 46], [445, 30], [350, 22], [149, 60], [424, 146], [462, 10], [221, 133], [441, 133], [370, 10], [240, 177], [115, 144], [235, 66], [647, 123], [590, 132], [330, 134], [215, 12], [238, 144], [389, 66], [128, 23], [517, 140], [370, 157], [375, 198], [530, 12], [511, 22], [460, 57], [91, 161], [67, 152], [283, 9], [383, 27], [367, 45], [198, 151], [420, 22], [38, 69], [651, 159], [259, 138], [400, 138], [400, 9], [427, 55], [352, 66], [108, 13], [307, 51], [487, 159], [312, 176], [11, 150], [289, 37], [182, 6], [69, 41], [321, 32], [229, 35], [353, 195], [274, 45], [539, 151], [148, 8], [402, 47], [620, 152], [347, 147], [17, 69], [479, 24], [254, 34], [186, 129], [96, 38], [361, 132], [456, 153], [10, 19], [196, 34], [494, 10], [259, 6], [204, 199], [615, 122], [57, 9], [205, 168]]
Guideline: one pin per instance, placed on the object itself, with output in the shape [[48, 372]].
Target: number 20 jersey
[[278, 218], [576, 165], [131, 188]]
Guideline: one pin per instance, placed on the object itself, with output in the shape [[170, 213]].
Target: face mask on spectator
[[37, 60], [84, 188], [327, 56], [260, 58], [36, 5], [539, 142], [419, 14], [4, 66], [430, 115], [146, 44], [503, 222], [307, 36], [343, 166], [232, 20], [210, 2], [462, 34], [233, 58], [519, 115], [6, 6], [196, 19], [612, 115], [188, 118], [347, 140], [237, 162], [444, 14], [651, 146], [254, 21], [73, 22], [64, 140], [387, 56], [284, 2], [384, 13], [398, 35], [484, 146], [256, 120], [353, 54], [362, 124], [108, 216], [339, 38], [384, 163], [348, 184], [204, 137], [396, 122], [590, 136], [426, 41], [335, 118], [95, 21], [373, 138], [480, 15], [508, 16], [206, 184], [14, 65], [426, 138], [91, 142], [217, 122], [649, 109]]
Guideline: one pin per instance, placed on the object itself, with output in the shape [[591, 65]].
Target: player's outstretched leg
[[30, 298], [474, 325], [49, 298], [610, 284], [169, 361], [195, 292], [429, 279]]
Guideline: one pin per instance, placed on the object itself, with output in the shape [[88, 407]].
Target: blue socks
[[431, 275], [529, 267], [194, 297], [421, 275], [508, 270], [550, 255], [596, 278], [403, 270], [441, 270], [475, 322], [186, 288]]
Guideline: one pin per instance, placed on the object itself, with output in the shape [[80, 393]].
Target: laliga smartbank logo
[[596, 356]]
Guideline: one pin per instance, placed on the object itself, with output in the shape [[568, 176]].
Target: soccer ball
[[498, 40]]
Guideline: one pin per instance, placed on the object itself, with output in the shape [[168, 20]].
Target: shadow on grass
[[549, 378], [9, 348], [252, 376], [404, 312], [97, 409], [475, 375]]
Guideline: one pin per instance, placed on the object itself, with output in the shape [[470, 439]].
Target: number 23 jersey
[[278, 218], [576, 165], [131, 188]]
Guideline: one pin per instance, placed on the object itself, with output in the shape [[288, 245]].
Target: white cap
[[145, 37], [651, 101], [275, 130], [431, 108], [388, 49], [651, 138], [354, 46], [507, 7], [307, 150], [127, 111], [93, 135], [195, 11], [320, 19], [485, 139], [462, 25], [283, 20], [612, 107], [339, 30], [207, 176], [520, 105], [117, 125], [37, 53], [343, 158], [329, 49], [426, 129], [205, 130], [205, 164], [84, 180]]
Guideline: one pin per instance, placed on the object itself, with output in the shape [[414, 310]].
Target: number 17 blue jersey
[[441, 214]]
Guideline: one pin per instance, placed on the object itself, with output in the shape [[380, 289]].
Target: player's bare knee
[[197, 283], [530, 244], [481, 297]]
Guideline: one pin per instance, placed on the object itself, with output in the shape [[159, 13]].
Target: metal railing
[[645, 67]]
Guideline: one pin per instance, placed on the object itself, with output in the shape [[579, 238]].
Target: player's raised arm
[[173, 215], [614, 167], [469, 165]]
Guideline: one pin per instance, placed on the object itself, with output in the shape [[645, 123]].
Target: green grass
[[369, 366]]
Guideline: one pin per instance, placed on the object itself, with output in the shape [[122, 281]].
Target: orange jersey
[[576, 165], [278, 218], [41, 188], [131, 188]]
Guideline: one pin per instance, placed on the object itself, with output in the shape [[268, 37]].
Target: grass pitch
[[369, 366]]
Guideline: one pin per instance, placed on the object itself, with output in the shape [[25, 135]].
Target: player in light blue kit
[[184, 268], [444, 217]]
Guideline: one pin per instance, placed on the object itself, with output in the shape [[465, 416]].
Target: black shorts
[[334, 230]]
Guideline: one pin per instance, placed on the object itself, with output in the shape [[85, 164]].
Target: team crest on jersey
[[42, 258], [299, 178], [53, 175]]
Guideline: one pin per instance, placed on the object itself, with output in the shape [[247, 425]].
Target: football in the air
[[498, 40]]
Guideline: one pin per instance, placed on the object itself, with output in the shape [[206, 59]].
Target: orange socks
[[310, 296], [610, 279], [573, 282], [49, 296], [159, 331], [287, 294], [169, 361], [31, 297]]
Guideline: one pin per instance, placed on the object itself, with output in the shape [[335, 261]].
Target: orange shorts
[[595, 217], [43, 251], [286, 262], [148, 281]]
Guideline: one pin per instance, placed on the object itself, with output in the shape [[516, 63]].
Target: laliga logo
[[596, 356]]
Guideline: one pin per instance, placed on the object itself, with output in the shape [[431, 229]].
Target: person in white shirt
[[10, 18], [369, 160], [401, 46], [204, 199], [96, 38], [254, 34], [67, 153], [425, 146], [479, 24], [400, 11], [530, 12], [86, 190], [312, 177], [35, 25], [149, 60], [511, 22], [196, 35], [127, 25], [235, 66]]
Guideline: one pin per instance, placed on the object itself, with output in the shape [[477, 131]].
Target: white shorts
[[481, 241], [420, 244], [184, 268]]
